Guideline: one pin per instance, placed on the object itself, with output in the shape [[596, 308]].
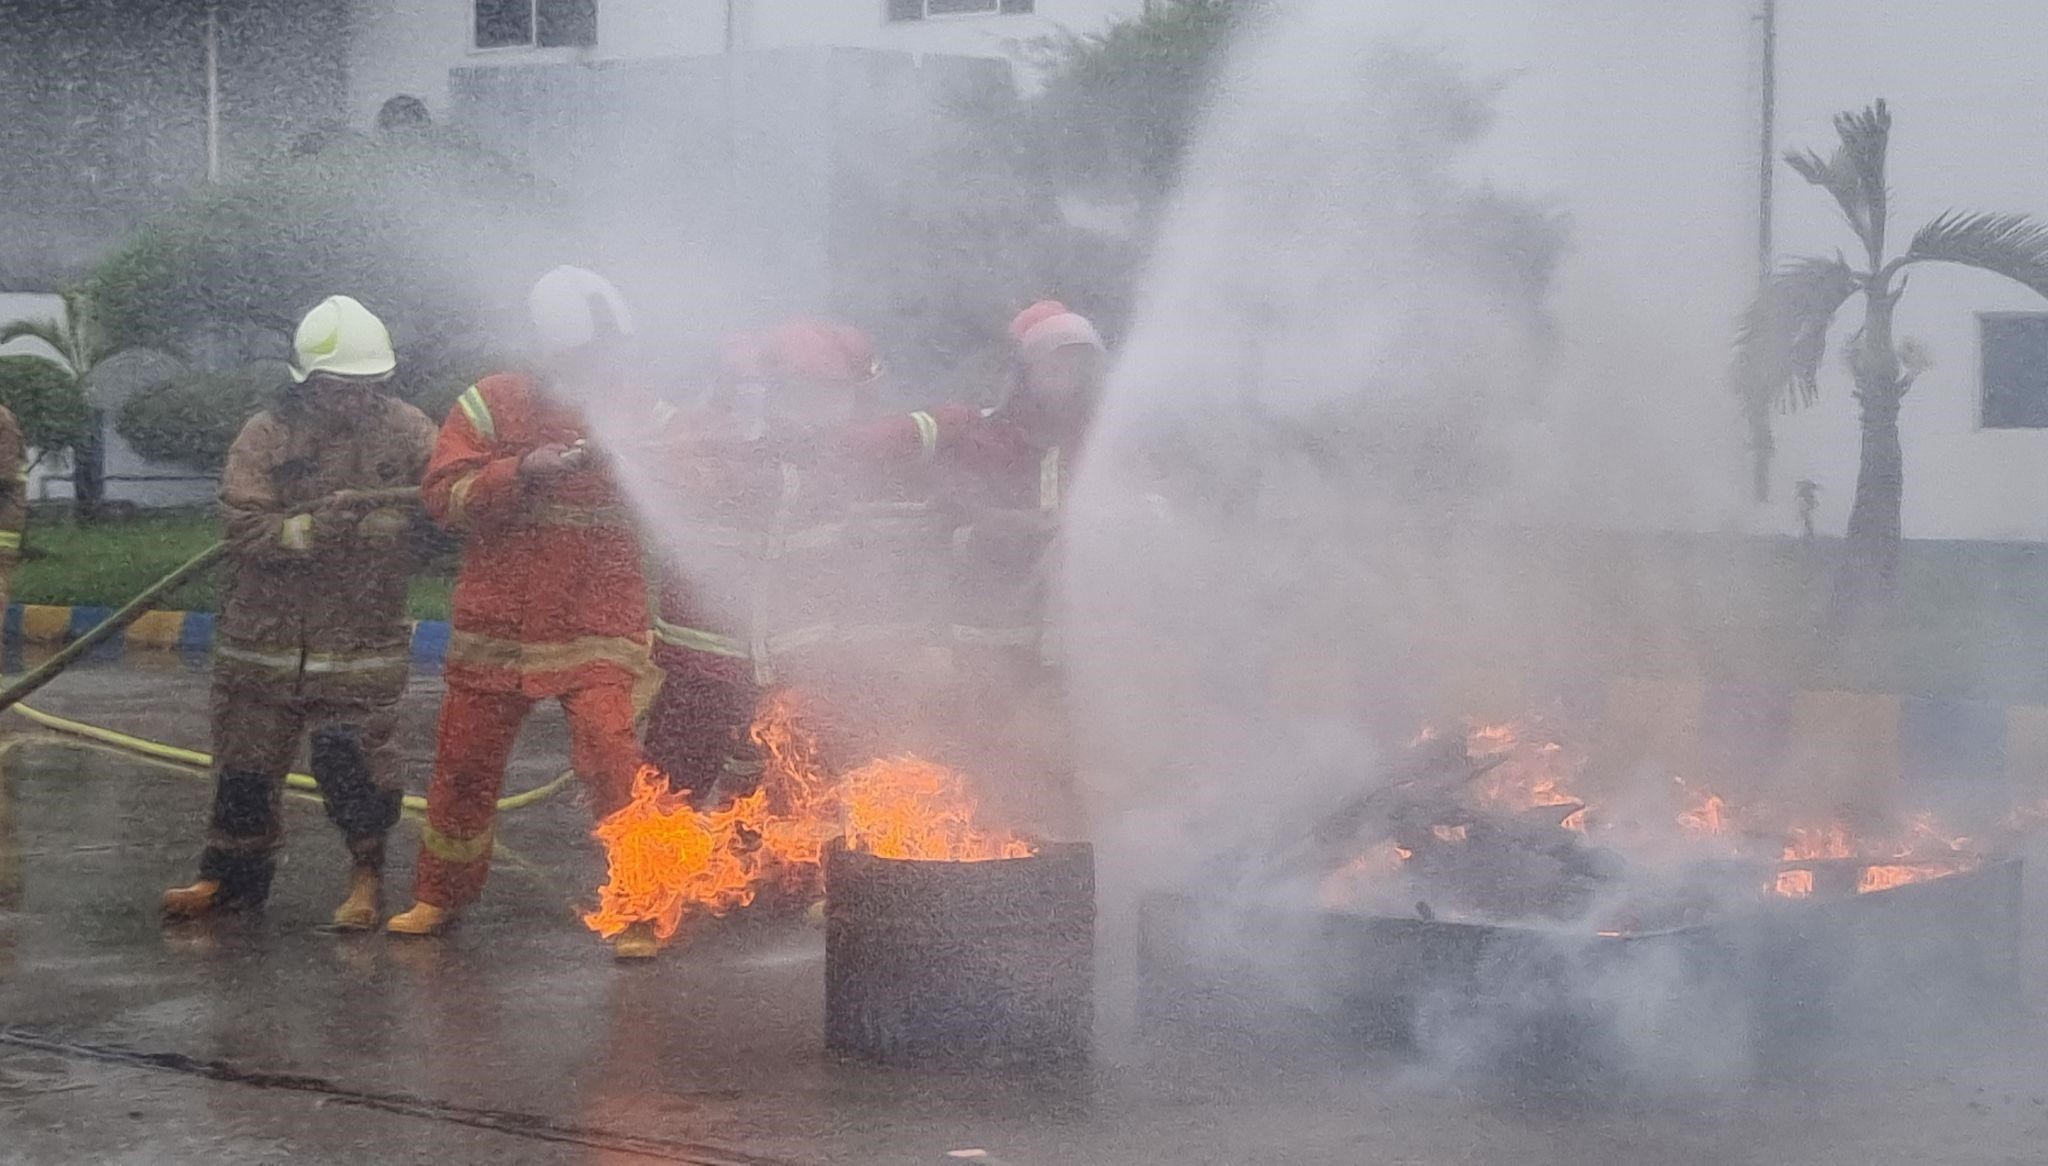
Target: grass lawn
[[105, 564]]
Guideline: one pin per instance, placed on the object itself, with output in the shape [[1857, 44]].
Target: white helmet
[[343, 338], [572, 307]]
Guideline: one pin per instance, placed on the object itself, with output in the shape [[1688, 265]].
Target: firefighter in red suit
[[550, 600], [1004, 472], [796, 564]]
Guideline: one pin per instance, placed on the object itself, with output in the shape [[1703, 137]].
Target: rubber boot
[[636, 942], [420, 919], [192, 902], [365, 902]]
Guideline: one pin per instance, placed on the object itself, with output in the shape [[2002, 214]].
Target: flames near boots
[[670, 863]]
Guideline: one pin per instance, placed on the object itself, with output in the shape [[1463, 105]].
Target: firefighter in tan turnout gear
[[313, 633]]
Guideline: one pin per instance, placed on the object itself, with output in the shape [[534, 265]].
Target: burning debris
[[670, 861], [1492, 824], [1486, 904]]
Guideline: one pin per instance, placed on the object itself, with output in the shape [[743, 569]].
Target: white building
[[410, 46]]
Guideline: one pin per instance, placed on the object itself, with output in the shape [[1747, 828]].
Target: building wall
[[409, 46], [722, 190], [103, 114]]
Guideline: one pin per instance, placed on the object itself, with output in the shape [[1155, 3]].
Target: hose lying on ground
[[194, 759]]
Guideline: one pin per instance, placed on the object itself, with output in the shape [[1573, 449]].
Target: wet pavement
[[517, 1039]]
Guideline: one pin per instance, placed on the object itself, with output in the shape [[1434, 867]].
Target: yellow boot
[[421, 919], [365, 902], [192, 902], [636, 942]]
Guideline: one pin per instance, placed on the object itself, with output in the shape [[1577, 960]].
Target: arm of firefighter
[[921, 436], [471, 480], [253, 519]]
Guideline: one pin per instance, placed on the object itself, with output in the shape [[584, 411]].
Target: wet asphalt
[[264, 1038]]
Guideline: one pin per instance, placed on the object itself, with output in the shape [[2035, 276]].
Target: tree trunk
[[89, 469], [1871, 553]]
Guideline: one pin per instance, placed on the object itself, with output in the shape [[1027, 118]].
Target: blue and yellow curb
[[162, 631]]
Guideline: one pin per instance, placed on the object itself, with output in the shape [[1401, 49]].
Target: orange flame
[[1795, 884], [909, 808], [667, 860], [1532, 769], [1884, 878], [1803, 843], [1707, 818], [670, 862]]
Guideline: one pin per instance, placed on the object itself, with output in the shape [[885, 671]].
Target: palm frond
[[50, 332], [1784, 334], [2014, 246], [1855, 173]]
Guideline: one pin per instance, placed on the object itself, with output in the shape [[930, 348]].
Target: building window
[[925, 9], [508, 24], [2015, 370]]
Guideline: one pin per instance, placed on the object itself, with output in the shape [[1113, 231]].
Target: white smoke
[[1289, 546]]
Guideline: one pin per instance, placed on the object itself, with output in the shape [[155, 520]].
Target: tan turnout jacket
[[318, 604]]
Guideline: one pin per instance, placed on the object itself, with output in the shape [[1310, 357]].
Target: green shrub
[[44, 397], [193, 419]]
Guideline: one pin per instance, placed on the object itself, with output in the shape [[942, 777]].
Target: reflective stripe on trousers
[[294, 661]]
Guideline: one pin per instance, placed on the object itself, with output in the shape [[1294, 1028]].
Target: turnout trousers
[[697, 729], [256, 734], [473, 743]]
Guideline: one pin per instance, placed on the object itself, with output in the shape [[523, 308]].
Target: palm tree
[[1784, 334], [80, 347]]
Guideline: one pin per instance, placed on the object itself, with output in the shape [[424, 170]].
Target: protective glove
[[385, 524], [297, 533]]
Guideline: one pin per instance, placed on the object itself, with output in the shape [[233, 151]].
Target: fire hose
[[48, 670]]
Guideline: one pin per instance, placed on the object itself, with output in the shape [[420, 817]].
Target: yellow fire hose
[[48, 670]]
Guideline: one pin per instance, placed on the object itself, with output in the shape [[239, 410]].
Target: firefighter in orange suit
[[313, 638], [550, 600]]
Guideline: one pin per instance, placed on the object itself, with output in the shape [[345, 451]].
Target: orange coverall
[[550, 603]]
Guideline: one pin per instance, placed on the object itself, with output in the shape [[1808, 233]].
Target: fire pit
[[988, 964], [1801, 966]]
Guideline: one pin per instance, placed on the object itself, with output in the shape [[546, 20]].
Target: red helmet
[[821, 350], [802, 349], [1049, 325], [1033, 316]]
